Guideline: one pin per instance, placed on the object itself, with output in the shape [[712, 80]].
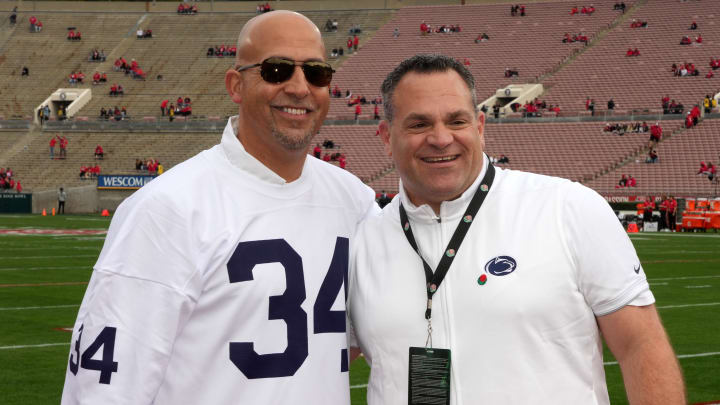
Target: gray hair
[[423, 63]]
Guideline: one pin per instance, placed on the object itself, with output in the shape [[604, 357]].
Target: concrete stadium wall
[[80, 200]]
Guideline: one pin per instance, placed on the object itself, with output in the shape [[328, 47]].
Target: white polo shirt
[[553, 257]]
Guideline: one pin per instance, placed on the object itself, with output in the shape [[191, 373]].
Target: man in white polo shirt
[[479, 285]]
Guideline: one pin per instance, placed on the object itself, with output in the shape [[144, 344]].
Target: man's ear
[[481, 127], [385, 136], [233, 85]]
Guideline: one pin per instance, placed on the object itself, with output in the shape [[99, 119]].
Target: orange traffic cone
[[632, 228], [105, 213], [44, 212], [53, 211]]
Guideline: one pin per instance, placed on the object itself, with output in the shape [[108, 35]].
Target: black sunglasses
[[277, 70]]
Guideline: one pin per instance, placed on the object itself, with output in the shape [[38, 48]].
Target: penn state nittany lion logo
[[500, 265]]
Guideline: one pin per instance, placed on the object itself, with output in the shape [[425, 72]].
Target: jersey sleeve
[[142, 291], [608, 270]]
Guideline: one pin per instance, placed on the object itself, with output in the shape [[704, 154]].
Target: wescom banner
[[122, 181]]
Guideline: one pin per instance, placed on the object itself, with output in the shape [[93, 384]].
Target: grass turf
[[683, 269]]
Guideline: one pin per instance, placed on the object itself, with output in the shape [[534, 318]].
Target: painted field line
[[681, 278], [354, 387], [698, 286], [707, 304], [33, 346], [43, 284], [43, 268], [46, 257], [658, 283], [681, 356], [45, 307]]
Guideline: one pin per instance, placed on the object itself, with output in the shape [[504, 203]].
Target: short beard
[[293, 143]]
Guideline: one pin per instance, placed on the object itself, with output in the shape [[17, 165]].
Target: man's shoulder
[[512, 181], [337, 177]]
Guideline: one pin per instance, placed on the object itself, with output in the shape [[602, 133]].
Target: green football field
[[45, 263]]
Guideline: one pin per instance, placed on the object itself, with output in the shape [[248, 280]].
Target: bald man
[[232, 292]]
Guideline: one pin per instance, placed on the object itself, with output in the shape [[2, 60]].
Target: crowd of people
[[88, 172], [500, 159], [116, 90], [143, 34], [579, 37], [263, 8], [73, 35], [7, 181], [534, 108], [185, 8], [331, 25], [692, 117], [35, 24], [626, 181], [585, 10], [132, 68], [329, 156], [670, 106], [97, 56], [221, 51], [62, 143], [426, 28], [118, 114], [623, 128], [150, 165], [708, 170], [687, 41], [99, 78], [517, 10], [76, 77], [638, 23]]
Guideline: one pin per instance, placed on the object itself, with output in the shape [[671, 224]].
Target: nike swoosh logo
[[637, 269]]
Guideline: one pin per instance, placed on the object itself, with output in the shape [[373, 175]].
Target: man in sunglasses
[[480, 285], [234, 293]]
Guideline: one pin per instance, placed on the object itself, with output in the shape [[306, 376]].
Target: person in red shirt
[[326, 157], [18, 187], [342, 161], [423, 28], [574, 11], [349, 44], [163, 106], [698, 39], [655, 135], [96, 78], [63, 146], [648, 207], [71, 35], [709, 74], [377, 112], [629, 52], [631, 182], [703, 168], [358, 111], [356, 42], [53, 142], [670, 212], [99, 153], [317, 151]]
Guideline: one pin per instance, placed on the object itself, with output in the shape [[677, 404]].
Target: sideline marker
[[105, 213], [632, 228], [44, 213], [53, 211]]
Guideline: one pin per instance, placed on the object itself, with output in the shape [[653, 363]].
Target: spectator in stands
[[482, 38], [610, 105], [356, 42], [693, 26], [342, 161], [619, 6], [652, 156], [13, 16], [623, 181], [698, 39], [53, 142], [358, 111], [396, 32], [99, 153], [631, 182], [574, 11], [171, 113], [712, 171], [376, 115], [685, 40], [103, 113], [317, 151], [103, 78], [511, 72], [63, 142]]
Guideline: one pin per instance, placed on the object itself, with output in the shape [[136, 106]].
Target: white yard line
[[682, 278], [698, 286], [46, 257], [33, 346], [44, 307], [43, 268], [707, 304]]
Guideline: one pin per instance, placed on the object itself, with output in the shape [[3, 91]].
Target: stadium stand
[[175, 63]]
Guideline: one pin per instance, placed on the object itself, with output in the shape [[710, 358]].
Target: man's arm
[[649, 367]]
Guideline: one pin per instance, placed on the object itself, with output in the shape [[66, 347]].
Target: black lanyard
[[434, 279]]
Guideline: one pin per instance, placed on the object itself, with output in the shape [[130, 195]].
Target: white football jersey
[[217, 286], [517, 308]]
